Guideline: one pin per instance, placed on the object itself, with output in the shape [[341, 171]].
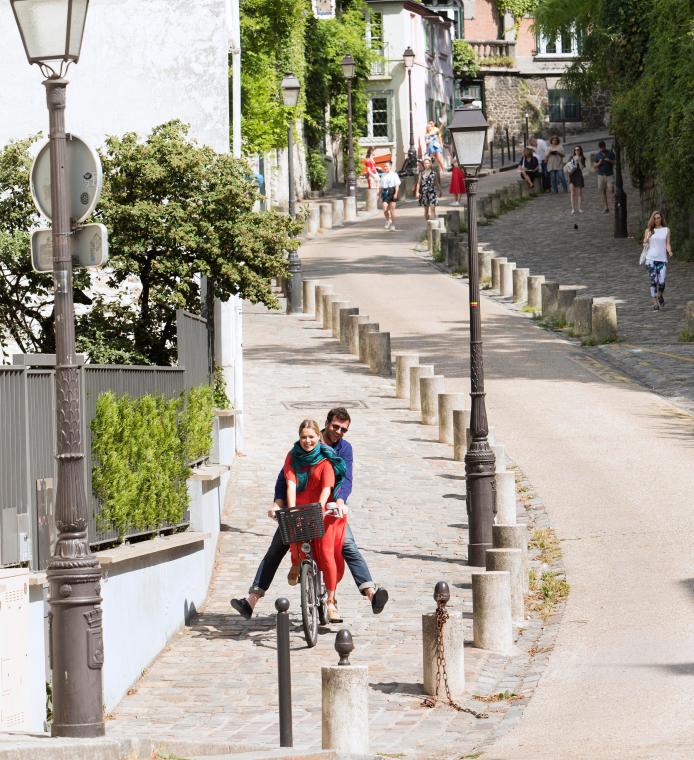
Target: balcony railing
[[495, 53]]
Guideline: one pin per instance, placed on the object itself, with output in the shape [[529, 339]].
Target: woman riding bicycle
[[313, 472]]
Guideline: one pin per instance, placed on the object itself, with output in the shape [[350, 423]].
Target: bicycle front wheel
[[309, 611]]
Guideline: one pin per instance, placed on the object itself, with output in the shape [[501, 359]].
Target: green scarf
[[305, 459]]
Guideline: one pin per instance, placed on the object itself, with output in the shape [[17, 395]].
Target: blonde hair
[[309, 424]]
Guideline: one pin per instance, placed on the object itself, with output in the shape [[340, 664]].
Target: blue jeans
[[275, 554], [553, 178]]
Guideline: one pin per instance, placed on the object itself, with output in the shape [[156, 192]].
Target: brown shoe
[[293, 575]]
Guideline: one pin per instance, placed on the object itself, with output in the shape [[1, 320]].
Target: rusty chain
[[441, 619]]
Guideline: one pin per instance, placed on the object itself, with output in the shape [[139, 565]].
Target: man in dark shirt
[[336, 425], [604, 162], [529, 167]]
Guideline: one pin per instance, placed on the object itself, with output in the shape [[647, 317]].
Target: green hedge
[[141, 449]]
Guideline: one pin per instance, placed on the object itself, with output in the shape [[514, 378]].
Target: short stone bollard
[[535, 291], [436, 240], [506, 278], [403, 362], [448, 403], [486, 258], [582, 321], [492, 625], [310, 287], [510, 560], [520, 285], [338, 212], [352, 338], [416, 375], [524, 189], [505, 498], [328, 310], [326, 216], [452, 221], [343, 317], [364, 329], [349, 203], [565, 302], [321, 292], [429, 389], [443, 635], [550, 298], [312, 220], [485, 206], [604, 320], [513, 537], [499, 457], [497, 261], [378, 353], [335, 307], [345, 702], [372, 199], [689, 318], [461, 424]]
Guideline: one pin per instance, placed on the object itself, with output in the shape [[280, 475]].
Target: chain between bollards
[[442, 594], [284, 676]]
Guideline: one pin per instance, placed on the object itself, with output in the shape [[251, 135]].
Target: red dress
[[327, 550], [457, 186]]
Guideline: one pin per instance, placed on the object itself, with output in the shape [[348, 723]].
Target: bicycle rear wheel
[[309, 608]]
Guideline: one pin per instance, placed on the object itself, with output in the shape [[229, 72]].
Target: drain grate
[[325, 405]]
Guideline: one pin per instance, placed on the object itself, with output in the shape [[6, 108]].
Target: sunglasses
[[338, 428]]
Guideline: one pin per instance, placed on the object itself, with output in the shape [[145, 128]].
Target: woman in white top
[[657, 236], [389, 184]]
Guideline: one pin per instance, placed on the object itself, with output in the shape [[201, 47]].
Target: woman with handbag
[[656, 246], [574, 169]]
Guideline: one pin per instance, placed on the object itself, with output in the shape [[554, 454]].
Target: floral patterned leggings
[[657, 272]]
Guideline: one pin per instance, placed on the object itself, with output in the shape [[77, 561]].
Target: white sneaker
[[392, 228], [386, 226], [455, 203], [572, 212], [580, 210]]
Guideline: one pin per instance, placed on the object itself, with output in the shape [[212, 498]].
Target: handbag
[[644, 253]]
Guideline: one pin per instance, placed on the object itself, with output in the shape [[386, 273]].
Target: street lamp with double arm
[[349, 70]]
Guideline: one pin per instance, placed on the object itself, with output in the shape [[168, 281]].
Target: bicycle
[[302, 525]]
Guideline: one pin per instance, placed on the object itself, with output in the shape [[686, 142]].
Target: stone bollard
[[604, 320], [429, 389], [583, 315], [492, 626], [524, 189], [328, 310], [313, 220], [550, 298], [364, 329], [403, 362], [321, 292], [461, 424], [505, 498], [452, 221], [496, 203], [520, 285], [349, 208], [416, 374], [378, 353], [436, 240], [535, 291], [499, 457], [326, 216], [510, 560], [431, 223], [689, 318], [335, 307], [310, 287], [352, 337], [453, 643], [343, 317], [338, 212], [506, 278], [485, 205], [444, 242], [345, 702], [486, 258], [448, 403], [497, 261], [565, 302], [372, 199], [513, 537]]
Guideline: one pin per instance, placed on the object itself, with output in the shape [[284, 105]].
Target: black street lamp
[[349, 69], [52, 36], [469, 130], [620, 197], [410, 166], [290, 95]]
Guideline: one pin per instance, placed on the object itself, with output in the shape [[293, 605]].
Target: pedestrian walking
[[658, 253], [457, 187], [427, 189], [555, 164], [389, 183], [370, 170], [434, 144], [336, 426], [529, 166], [574, 169], [604, 165], [539, 146]]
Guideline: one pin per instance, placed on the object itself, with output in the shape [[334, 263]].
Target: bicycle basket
[[302, 523]]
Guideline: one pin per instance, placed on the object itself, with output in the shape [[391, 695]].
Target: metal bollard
[[294, 284], [284, 676]]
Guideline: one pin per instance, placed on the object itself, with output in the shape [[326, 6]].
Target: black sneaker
[[661, 301], [656, 307], [242, 607], [379, 601]]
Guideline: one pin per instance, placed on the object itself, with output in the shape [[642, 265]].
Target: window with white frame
[[567, 44], [374, 38], [378, 115]]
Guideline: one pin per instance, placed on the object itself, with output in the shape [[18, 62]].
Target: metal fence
[[28, 446]]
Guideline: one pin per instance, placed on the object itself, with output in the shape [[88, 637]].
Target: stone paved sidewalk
[[217, 679]]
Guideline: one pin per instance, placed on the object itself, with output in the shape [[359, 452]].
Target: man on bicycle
[[336, 425]]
